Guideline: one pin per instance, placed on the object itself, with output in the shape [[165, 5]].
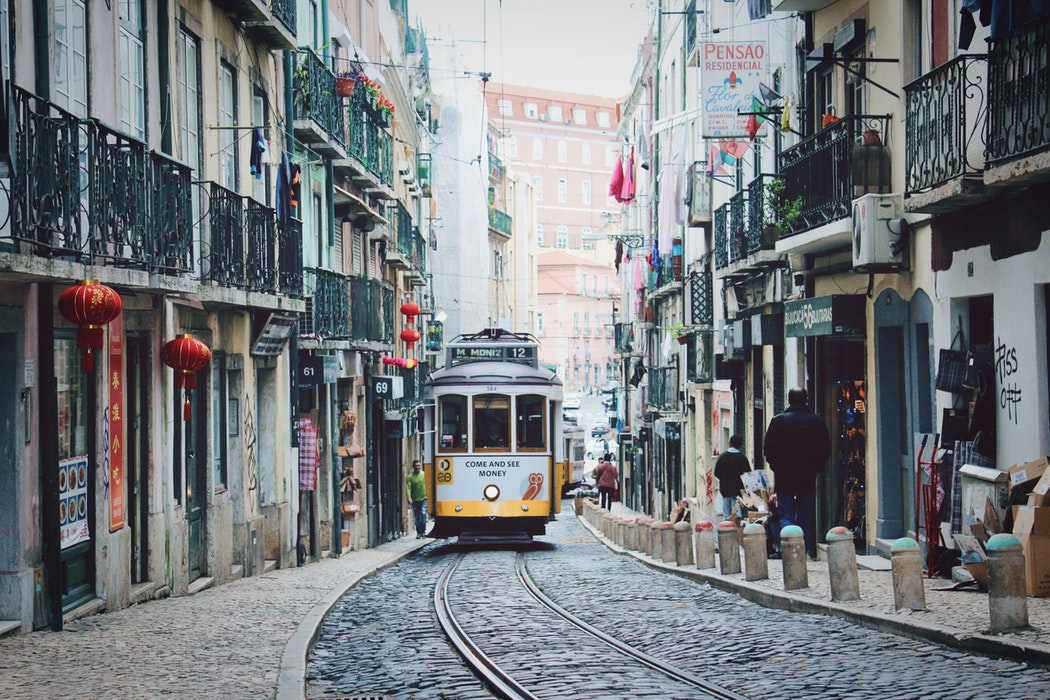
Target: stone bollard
[[645, 536], [630, 534], [637, 539], [1007, 592], [667, 542], [909, 592], [621, 531], [656, 544], [728, 548], [704, 541], [842, 565], [793, 554], [756, 565], [683, 544]]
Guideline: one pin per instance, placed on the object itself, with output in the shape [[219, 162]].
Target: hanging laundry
[[309, 458], [284, 213], [627, 190], [759, 9], [295, 186], [643, 144], [619, 255], [616, 186], [258, 150], [785, 117]]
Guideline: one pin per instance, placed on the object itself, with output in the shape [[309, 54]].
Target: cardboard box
[[1021, 474], [1032, 527], [1039, 496]]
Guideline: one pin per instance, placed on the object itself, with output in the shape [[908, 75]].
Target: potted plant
[[783, 212], [678, 332], [344, 84]]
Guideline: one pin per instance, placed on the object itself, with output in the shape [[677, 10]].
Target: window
[[537, 149], [539, 234], [563, 236], [512, 147], [531, 413], [70, 58], [497, 264], [586, 195], [575, 322], [555, 113], [585, 154], [603, 119], [585, 236], [132, 91], [491, 422], [452, 417], [563, 152], [583, 285], [261, 188], [188, 100], [227, 118], [563, 190], [505, 107], [537, 184], [530, 110], [579, 115]]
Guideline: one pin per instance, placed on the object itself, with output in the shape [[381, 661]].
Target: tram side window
[[491, 422], [453, 422], [531, 422]]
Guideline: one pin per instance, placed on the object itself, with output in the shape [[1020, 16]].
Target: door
[[137, 453], [196, 461], [75, 482]]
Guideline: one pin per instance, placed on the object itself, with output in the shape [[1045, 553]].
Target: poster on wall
[[73, 500], [730, 74]]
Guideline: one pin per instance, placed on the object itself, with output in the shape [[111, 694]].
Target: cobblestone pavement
[[250, 638], [957, 618]]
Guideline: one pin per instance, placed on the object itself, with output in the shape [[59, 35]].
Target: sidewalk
[[246, 639], [956, 618]]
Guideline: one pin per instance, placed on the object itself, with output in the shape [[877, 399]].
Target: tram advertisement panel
[[519, 477]]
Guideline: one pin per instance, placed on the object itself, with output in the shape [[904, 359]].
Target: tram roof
[[490, 372]]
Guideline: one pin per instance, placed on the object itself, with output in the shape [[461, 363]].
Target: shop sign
[[730, 74], [115, 426], [838, 315], [318, 369]]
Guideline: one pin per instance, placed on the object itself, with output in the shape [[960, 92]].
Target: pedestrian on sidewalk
[[417, 497], [797, 445], [607, 475], [728, 469]]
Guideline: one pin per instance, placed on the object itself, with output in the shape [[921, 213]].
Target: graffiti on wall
[[251, 457], [1006, 366]]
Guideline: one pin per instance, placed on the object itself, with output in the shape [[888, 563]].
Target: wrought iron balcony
[[722, 237], [369, 147], [623, 334], [271, 21], [371, 310], [946, 114], [1018, 94], [500, 222], [496, 170], [241, 249], [423, 173], [760, 215], [290, 258], [832, 168], [738, 222], [318, 110], [85, 192], [327, 305], [414, 385], [663, 388], [701, 299]]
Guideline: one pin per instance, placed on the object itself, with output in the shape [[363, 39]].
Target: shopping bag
[[951, 367], [955, 425]]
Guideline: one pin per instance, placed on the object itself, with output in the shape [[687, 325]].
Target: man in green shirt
[[417, 496]]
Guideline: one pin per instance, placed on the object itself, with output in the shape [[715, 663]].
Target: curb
[[291, 677], [1032, 653]]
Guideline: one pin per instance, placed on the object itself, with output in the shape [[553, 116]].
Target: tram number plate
[[444, 472]]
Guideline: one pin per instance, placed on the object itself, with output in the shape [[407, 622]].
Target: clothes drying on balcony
[[259, 154]]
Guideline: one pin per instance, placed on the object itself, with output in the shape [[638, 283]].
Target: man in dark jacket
[[730, 465], [797, 445]]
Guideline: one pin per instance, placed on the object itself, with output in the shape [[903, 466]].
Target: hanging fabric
[[295, 186], [309, 458], [258, 150], [627, 189], [284, 213], [616, 185], [619, 255]]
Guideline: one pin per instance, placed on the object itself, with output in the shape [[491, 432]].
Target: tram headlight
[[525, 507], [459, 509], [491, 492]]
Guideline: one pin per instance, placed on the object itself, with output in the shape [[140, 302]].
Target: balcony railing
[[83, 191], [328, 305], [1019, 93], [371, 310], [623, 338], [738, 226], [701, 299], [832, 168], [315, 99], [722, 237], [414, 381], [946, 113], [500, 222], [496, 170], [663, 388], [760, 215], [242, 248], [366, 141]]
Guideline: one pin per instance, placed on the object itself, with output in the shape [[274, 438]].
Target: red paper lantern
[[411, 310], [410, 336], [90, 305], [186, 355]]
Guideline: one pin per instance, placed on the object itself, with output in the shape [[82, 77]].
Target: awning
[[837, 316]]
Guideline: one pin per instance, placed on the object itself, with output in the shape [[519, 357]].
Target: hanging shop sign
[[115, 427], [836, 316], [318, 369], [730, 73]]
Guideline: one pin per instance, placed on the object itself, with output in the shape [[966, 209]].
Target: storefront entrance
[[137, 453]]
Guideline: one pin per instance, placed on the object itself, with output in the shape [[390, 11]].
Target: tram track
[[501, 677]]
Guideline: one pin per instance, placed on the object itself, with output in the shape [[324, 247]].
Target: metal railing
[[371, 310], [831, 168], [1019, 93], [722, 237], [760, 215], [500, 222], [246, 248], [738, 226], [947, 112], [83, 191], [284, 11], [701, 298], [314, 97], [328, 297], [663, 388]]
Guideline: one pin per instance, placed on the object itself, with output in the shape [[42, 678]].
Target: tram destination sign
[[522, 354]]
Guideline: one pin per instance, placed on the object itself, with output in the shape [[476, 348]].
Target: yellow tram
[[495, 455]]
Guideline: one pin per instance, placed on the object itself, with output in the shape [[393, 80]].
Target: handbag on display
[[951, 367], [955, 425]]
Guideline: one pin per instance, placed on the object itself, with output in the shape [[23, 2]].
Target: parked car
[[571, 402]]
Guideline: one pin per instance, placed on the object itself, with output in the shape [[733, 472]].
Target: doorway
[[137, 383], [195, 458]]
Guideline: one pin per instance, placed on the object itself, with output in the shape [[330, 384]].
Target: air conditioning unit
[[879, 233]]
